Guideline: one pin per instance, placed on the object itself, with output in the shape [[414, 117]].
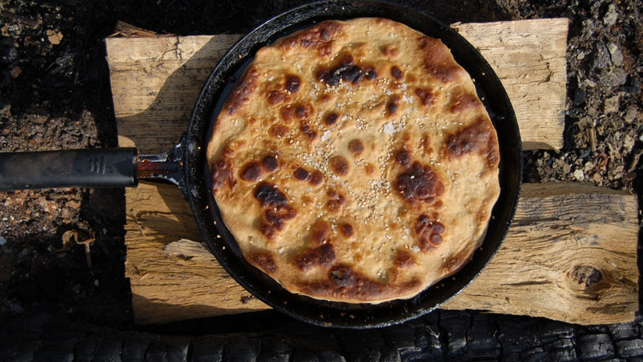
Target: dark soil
[[55, 94]]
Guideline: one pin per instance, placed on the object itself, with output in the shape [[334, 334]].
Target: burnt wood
[[265, 336]]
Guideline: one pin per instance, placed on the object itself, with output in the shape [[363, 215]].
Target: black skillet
[[186, 166]]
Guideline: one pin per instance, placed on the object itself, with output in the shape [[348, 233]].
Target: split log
[[529, 59], [570, 255], [155, 80]]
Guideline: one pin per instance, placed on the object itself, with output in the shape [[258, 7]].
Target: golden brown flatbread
[[354, 162]]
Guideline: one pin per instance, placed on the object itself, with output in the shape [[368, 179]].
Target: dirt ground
[[55, 94]]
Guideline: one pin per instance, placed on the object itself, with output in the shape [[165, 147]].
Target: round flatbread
[[354, 162]]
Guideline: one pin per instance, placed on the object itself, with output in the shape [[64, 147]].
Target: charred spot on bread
[[346, 71], [427, 98], [303, 111], [293, 82], [301, 174], [317, 37], [308, 131], [221, 175], [269, 231], [419, 183], [316, 178], [275, 220], [390, 51], [392, 105], [403, 158], [339, 165], [276, 97], [356, 146], [331, 119], [345, 283], [252, 172], [438, 61], [371, 170], [429, 232], [279, 131], [321, 256], [347, 230], [397, 73], [270, 163], [269, 195], [369, 72], [404, 258], [296, 111], [276, 209], [320, 231], [463, 102], [264, 261], [479, 137], [335, 202]]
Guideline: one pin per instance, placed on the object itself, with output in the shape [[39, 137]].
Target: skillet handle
[[106, 167], [164, 167]]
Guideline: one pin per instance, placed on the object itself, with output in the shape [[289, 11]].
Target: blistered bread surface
[[354, 162]]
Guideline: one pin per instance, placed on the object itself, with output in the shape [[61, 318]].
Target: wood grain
[[155, 83], [570, 255], [560, 260], [529, 59], [155, 80]]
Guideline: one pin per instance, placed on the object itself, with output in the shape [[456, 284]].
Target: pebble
[[579, 96], [603, 58], [628, 143], [615, 54], [611, 105], [628, 117], [2, 241], [613, 77], [579, 175], [611, 16], [589, 83]]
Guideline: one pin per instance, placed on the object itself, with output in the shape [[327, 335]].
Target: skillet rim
[[222, 244]]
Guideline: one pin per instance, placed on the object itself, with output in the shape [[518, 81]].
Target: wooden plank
[[155, 80], [570, 255], [529, 58], [560, 259]]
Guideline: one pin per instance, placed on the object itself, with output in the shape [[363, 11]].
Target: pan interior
[[222, 243]]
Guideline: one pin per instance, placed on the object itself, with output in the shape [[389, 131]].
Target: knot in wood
[[587, 274]]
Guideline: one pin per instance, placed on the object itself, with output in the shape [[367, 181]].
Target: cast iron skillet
[[186, 166]]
